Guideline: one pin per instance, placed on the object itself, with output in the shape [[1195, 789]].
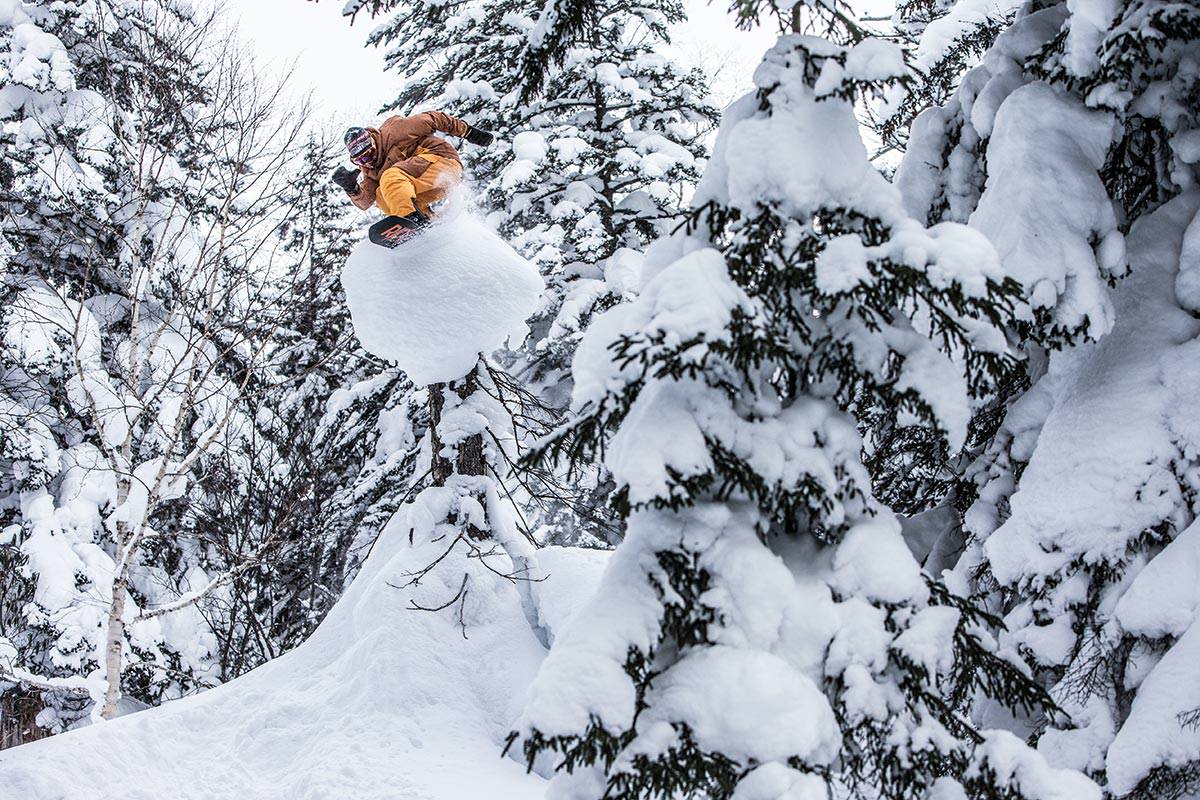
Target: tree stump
[[470, 452], [469, 459]]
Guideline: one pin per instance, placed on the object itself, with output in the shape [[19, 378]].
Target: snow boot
[[414, 221]]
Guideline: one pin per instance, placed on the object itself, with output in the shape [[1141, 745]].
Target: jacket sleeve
[[440, 121], [366, 193]]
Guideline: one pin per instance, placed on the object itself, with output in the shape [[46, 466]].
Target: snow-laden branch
[[75, 684], [191, 598]]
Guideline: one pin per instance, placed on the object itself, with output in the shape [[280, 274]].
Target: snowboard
[[390, 232]]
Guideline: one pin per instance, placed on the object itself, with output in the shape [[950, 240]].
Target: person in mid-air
[[403, 167]]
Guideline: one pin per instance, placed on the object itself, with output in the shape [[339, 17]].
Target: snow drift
[[436, 302], [383, 701]]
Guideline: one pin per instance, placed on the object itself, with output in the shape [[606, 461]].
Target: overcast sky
[[347, 79]]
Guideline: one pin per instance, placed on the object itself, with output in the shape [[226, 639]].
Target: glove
[[347, 179], [477, 137]]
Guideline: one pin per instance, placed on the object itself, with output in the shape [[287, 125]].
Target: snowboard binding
[[392, 231]]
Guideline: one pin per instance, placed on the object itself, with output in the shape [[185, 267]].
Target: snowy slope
[[381, 702]]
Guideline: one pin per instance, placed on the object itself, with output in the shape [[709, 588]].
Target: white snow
[[529, 146], [960, 20], [1102, 470], [572, 574], [382, 702], [776, 782], [436, 302], [1162, 601], [1105, 432], [1027, 772], [1087, 26], [1187, 281], [929, 638], [842, 265], [1164, 598], [691, 298], [875, 59], [767, 710], [941, 163], [1045, 204], [873, 561], [835, 169], [1155, 732]]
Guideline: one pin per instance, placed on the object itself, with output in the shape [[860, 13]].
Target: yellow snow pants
[[401, 192]]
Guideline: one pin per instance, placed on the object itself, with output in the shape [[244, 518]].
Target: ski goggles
[[362, 149]]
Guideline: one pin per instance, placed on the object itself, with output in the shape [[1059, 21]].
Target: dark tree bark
[[469, 458], [19, 708], [470, 452]]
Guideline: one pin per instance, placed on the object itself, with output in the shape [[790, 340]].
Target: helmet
[[360, 146]]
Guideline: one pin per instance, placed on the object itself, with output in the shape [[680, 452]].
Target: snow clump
[[436, 302]]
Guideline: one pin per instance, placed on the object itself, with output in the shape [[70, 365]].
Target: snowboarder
[[403, 167]]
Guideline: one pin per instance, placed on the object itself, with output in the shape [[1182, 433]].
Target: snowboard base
[[390, 232]]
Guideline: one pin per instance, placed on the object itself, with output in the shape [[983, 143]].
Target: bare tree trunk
[[470, 451], [441, 467], [19, 708], [468, 460], [114, 644]]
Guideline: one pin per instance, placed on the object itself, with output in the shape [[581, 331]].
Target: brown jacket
[[397, 142]]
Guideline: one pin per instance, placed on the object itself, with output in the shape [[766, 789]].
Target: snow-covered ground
[[383, 701]]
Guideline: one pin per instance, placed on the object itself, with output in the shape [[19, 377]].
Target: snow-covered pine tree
[[378, 423], [317, 349], [128, 328], [943, 39], [912, 472], [319, 359], [1073, 147], [602, 159], [462, 522], [602, 162], [58, 155], [763, 631], [561, 26]]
